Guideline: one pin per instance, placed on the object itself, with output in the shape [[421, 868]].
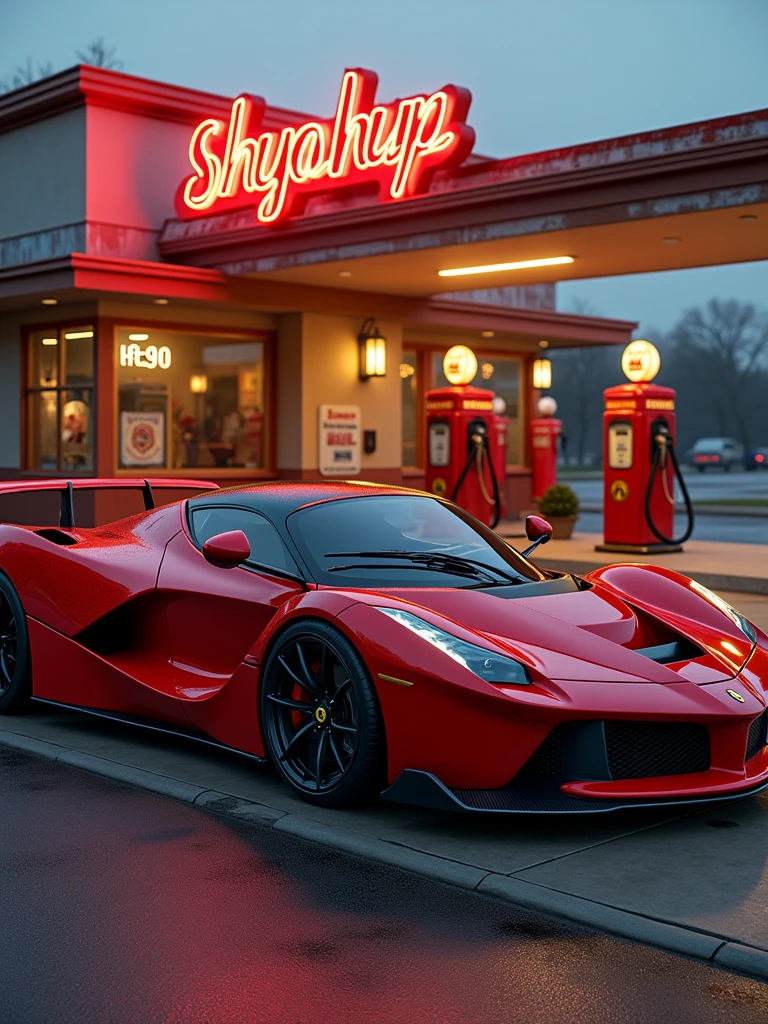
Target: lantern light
[[542, 374], [542, 369], [198, 383], [373, 351]]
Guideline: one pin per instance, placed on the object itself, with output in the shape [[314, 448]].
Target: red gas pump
[[639, 461], [544, 434], [461, 438], [499, 450]]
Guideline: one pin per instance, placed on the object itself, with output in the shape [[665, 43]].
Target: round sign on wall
[[640, 361], [460, 365]]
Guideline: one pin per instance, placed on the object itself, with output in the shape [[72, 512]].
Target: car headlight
[[493, 668], [736, 617]]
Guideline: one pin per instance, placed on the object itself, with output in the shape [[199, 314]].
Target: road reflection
[[116, 905]]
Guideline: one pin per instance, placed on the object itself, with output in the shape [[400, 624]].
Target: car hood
[[596, 634]]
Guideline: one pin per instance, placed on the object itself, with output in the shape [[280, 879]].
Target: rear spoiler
[[67, 489]]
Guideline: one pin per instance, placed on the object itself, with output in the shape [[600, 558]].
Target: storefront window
[[189, 401], [502, 375], [409, 375], [59, 399]]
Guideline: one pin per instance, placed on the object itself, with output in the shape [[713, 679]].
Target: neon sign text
[[149, 358], [395, 147]]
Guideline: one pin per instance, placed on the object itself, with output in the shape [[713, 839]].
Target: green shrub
[[559, 500]]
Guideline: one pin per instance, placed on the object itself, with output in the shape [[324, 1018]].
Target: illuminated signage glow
[[395, 146], [460, 365], [640, 361], [149, 358]]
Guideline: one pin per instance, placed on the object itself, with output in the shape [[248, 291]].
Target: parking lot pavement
[[701, 486], [120, 906], [685, 880]]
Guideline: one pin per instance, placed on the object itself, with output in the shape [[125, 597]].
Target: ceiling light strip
[[492, 268]]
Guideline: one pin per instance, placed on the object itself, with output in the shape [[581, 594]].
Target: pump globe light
[[499, 405], [546, 406], [640, 361], [460, 365]]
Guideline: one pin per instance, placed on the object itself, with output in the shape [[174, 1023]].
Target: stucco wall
[[43, 176], [330, 373], [134, 166]]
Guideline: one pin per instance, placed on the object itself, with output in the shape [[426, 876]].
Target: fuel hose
[[664, 448], [482, 449]]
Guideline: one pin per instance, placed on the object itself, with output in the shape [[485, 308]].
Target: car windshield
[[710, 442], [403, 541]]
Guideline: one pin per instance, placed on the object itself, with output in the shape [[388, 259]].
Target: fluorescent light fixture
[[73, 335], [49, 302], [160, 302], [493, 268], [138, 337], [50, 341]]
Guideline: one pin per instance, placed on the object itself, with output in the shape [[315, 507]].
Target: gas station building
[[196, 286]]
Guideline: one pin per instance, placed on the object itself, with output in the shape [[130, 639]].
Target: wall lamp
[[373, 351], [542, 369]]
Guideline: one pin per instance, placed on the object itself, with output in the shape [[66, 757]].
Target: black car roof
[[278, 498]]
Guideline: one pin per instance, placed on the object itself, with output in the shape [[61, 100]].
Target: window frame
[[267, 337], [91, 321], [260, 568]]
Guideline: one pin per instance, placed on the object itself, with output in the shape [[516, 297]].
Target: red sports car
[[376, 640]]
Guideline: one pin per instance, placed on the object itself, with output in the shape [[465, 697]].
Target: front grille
[[756, 739], [638, 750], [633, 750], [546, 760]]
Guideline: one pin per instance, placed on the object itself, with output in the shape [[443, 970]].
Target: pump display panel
[[620, 445], [439, 444]]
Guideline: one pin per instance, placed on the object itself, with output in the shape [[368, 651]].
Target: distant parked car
[[716, 453], [756, 458]]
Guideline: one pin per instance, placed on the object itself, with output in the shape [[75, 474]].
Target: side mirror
[[537, 530], [227, 550]]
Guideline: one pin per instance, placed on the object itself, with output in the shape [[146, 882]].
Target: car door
[[214, 616]]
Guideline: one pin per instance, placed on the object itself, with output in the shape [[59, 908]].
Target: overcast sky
[[543, 74]]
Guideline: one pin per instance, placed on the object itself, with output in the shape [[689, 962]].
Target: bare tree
[[99, 55], [579, 377], [25, 74], [723, 348]]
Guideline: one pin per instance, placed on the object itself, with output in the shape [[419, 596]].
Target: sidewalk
[[691, 881], [721, 566]]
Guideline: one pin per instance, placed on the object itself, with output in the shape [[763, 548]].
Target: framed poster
[[142, 438], [338, 437]]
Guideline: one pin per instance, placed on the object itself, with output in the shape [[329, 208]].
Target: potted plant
[[560, 506]]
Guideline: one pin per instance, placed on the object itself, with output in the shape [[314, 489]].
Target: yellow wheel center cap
[[321, 714]]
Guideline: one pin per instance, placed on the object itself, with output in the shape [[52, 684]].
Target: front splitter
[[423, 789]]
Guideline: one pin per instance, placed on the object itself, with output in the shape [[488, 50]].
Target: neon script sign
[[394, 147]]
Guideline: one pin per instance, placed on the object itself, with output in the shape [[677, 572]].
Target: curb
[[715, 949]]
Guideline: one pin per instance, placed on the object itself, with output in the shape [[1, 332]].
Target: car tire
[[728, 467], [15, 665], [320, 717], [701, 468]]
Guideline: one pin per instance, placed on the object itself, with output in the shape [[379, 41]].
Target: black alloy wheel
[[320, 715], [15, 687]]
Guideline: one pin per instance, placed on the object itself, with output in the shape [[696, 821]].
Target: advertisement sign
[[338, 437], [396, 147], [142, 438]]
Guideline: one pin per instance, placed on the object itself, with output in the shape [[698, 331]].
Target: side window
[[267, 546]]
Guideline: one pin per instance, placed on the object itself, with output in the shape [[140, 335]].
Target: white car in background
[[716, 453]]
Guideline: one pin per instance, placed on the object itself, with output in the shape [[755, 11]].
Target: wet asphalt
[[117, 905]]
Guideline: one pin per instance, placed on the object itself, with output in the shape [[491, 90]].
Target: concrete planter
[[562, 526]]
